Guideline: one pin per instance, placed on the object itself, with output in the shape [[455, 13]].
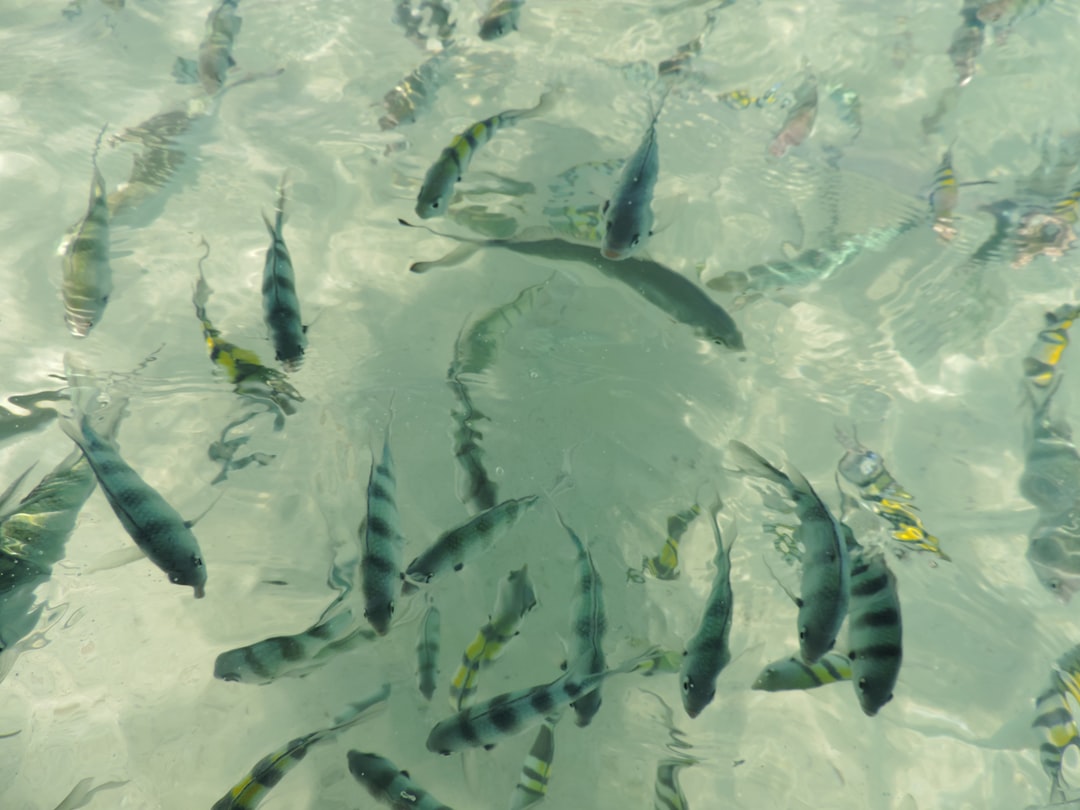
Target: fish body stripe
[[389, 784], [536, 770], [383, 545]]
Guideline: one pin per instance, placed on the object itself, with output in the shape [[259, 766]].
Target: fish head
[[379, 615], [190, 569], [84, 308], [696, 687], [813, 642], [232, 667], [872, 696], [499, 25], [435, 193], [626, 229], [1055, 565]]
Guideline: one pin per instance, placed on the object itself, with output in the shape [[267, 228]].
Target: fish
[[588, 625], [875, 630], [152, 523], [1042, 360], [250, 791], [501, 18], [536, 771], [515, 599], [707, 651], [83, 793], [456, 546], [390, 785], [1054, 719], [676, 66], [967, 42], [665, 565], [946, 194], [291, 656], [662, 661], [249, 376], [281, 306], [485, 724], [87, 282], [475, 488], [628, 217], [884, 496], [791, 673], [438, 185], [382, 541], [1051, 476], [1010, 10], [677, 296], [215, 51], [427, 651], [826, 565], [667, 792], [415, 93], [1054, 552], [799, 124]]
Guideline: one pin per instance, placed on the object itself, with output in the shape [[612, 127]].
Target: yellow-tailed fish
[[501, 18], [515, 599], [741, 99], [415, 93], [87, 281], [707, 651], [389, 784], [438, 185], [628, 216], [661, 661], [667, 792], [427, 651], [382, 541], [1055, 722], [665, 565], [945, 194], [249, 793], [485, 724], [281, 306], [792, 673], [823, 601], [1042, 360], [215, 51], [875, 633], [884, 496], [455, 547], [799, 123], [536, 771]]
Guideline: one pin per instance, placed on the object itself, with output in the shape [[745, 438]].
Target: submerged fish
[[707, 651], [967, 41], [427, 651], [84, 791], [799, 123], [439, 182], [1041, 362], [667, 792], [826, 566], [382, 541], [1054, 552], [945, 195], [215, 51], [389, 784], [515, 599], [281, 306], [536, 771], [1009, 10], [628, 217], [87, 281], [155, 526], [249, 792], [874, 630], [665, 565], [792, 673], [415, 93], [1054, 719], [501, 18]]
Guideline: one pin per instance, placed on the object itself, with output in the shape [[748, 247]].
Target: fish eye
[[862, 684], [802, 634], [390, 609], [634, 240], [687, 685], [435, 204]]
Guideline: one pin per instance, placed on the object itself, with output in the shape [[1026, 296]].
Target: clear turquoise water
[[907, 342]]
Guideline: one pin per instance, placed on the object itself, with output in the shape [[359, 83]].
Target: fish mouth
[[79, 326], [200, 591], [612, 254]]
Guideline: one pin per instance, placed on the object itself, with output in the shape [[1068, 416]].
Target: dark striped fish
[[667, 792], [588, 625], [707, 651], [536, 771], [501, 18], [485, 724], [382, 541], [427, 651], [514, 601], [1042, 360], [967, 41], [249, 792], [390, 785], [281, 307], [945, 195], [1054, 553], [455, 547], [87, 281], [665, 565], [215, 51], [1051, 476], [875, 632], [792, 673], [446, 172], [1054, 719]]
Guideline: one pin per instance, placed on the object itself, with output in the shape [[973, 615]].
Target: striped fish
[[707, 652], [427, 651], [628, 216], [875, 632], [87, 281], [945, 195], [826, 566], [791, 673], [250, 791], [488, 722], [884, 496], [667, 792], [665, 565], [382, 541], [1042, 360], [215, 51], [1054, 719], [281, 307], [536, 771], [390, 785], [513, 602], [155, 526], [475, 488], [415, 93], [291, 656], [1054, 553], [588, 625], [438, 186], [455, 547], [500, 19]]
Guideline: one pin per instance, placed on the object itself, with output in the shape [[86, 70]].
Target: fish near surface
[[215, 51], [799, 123], [875, 630], [536, 770], [501, 18], [1043, 358], [281, 306], [87, 281], [389, 784], [427, 651], [823, 602], [665, 565], [792, 673]]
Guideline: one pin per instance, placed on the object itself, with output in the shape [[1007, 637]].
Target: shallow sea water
[[911, 343]]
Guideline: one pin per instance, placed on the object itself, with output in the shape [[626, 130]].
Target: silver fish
[[389, 784], [1045, 355], [792, 673], [823, 602], [87, 280], [707, 652], [628, 217], [875, 630], [155, 526], [536, 771], [427, 651], [455, 547], [486, 723], [382, 541], [501, 18], [215, 51], [281, 307]]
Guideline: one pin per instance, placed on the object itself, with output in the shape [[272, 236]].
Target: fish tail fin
[[632, 663], [83, 391], [280, 209], [360, 710], [201, 296], [546, 102], [750, 462]]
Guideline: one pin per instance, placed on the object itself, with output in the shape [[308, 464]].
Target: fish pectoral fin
[[185, 71], [230, 61], [189, 523]]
